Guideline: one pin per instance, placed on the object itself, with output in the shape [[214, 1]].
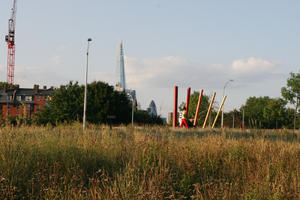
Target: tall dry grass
[[147, 163]]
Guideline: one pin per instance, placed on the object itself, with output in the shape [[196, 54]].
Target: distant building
[[130, 93], [121, 84], [24, 102], [152, 109], [121, 63]]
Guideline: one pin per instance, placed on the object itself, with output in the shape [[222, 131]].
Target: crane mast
[[10, 40]]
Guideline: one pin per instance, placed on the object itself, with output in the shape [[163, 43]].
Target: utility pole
[[222, 119], [233, 119], [85, 89], [243, 120], [132, 111], [132, 107]]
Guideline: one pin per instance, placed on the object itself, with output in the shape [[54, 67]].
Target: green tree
[[275, 113], [254, 111], [289, 120], [265, 112], [292, 92], [67, 104], [3, 83], [143, 117], [235, 115], [104, 101]]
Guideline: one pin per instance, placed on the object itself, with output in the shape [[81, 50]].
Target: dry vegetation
[[147, 163]]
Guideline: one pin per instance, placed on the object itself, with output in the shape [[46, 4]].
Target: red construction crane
[[10, 40]]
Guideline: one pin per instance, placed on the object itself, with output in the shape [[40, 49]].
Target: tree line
[[104, 106], [257, 112]]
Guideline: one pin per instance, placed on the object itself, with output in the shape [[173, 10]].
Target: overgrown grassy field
[[147, 163]]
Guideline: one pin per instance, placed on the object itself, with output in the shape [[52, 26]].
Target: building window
[[18, 107], [28, 98], [19, 98], [9, 98], [27, 106], [37, 107], [38, 98], [8, 107]]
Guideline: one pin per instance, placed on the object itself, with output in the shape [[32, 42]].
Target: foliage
[[254, 109], [292, 92], [289, 120], [2, 84], [142, 117], [67, 105], [264, 112], [103, 101], [193, 106], [236, 115], [63, 162], [275, 113]]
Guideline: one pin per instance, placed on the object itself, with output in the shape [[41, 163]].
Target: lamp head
[[90, 39]]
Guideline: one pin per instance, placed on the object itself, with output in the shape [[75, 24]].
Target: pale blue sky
[[194, 43]]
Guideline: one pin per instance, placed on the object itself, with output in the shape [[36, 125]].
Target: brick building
[[23, 102]]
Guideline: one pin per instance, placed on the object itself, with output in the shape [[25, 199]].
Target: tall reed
[[147, 163]]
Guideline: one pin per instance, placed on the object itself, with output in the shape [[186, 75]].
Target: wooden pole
[[223, 101], [198, 108], [209, 109]]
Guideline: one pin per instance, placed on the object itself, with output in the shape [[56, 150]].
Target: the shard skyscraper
[[121, 83], [122, 68]]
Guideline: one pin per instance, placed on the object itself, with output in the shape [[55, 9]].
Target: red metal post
[[175, 106], [187, 101], [198, 108]]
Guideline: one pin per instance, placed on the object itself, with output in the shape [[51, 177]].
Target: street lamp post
[[233, 119], [243, 119], [132, 112], [132, 109], [223, 96], [85, 89]]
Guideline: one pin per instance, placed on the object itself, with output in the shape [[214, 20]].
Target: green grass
[[148, 163]]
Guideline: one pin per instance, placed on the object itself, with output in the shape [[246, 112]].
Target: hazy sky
[[201, 44]]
